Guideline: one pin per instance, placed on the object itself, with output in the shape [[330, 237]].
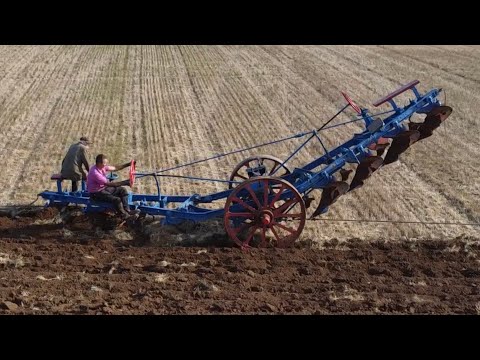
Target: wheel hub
[[266, 217]]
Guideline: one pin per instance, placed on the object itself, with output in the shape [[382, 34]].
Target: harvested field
[[169, 105]]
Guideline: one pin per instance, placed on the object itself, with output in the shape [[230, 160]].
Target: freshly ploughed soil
[[68, 263]]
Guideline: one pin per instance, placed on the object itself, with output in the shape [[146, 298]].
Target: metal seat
[[58, 178]]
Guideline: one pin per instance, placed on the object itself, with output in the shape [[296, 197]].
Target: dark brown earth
[[58, 264]]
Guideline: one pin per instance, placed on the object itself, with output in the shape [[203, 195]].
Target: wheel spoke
[[253, 195], [286, 215], [264, 237], [280, 209], [240, 176], [242, 203], [277, 195], [290, 208], [265, 193], [275, 234], [240, 228], [250, 235], [239, 214], [274, 167], [286, 228]]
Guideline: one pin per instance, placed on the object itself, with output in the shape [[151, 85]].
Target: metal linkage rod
[[398, 222], [230, 153], [140, 175]]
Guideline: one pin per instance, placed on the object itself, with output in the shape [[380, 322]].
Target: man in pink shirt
[[102, 190]]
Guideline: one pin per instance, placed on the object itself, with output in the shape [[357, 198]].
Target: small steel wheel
[[266, 165]]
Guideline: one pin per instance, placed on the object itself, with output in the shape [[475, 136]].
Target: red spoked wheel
[[271, 163], [264, 211], [131, 173], [352, 103]]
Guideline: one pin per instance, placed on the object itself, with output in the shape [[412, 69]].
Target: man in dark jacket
[[73, 161]]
